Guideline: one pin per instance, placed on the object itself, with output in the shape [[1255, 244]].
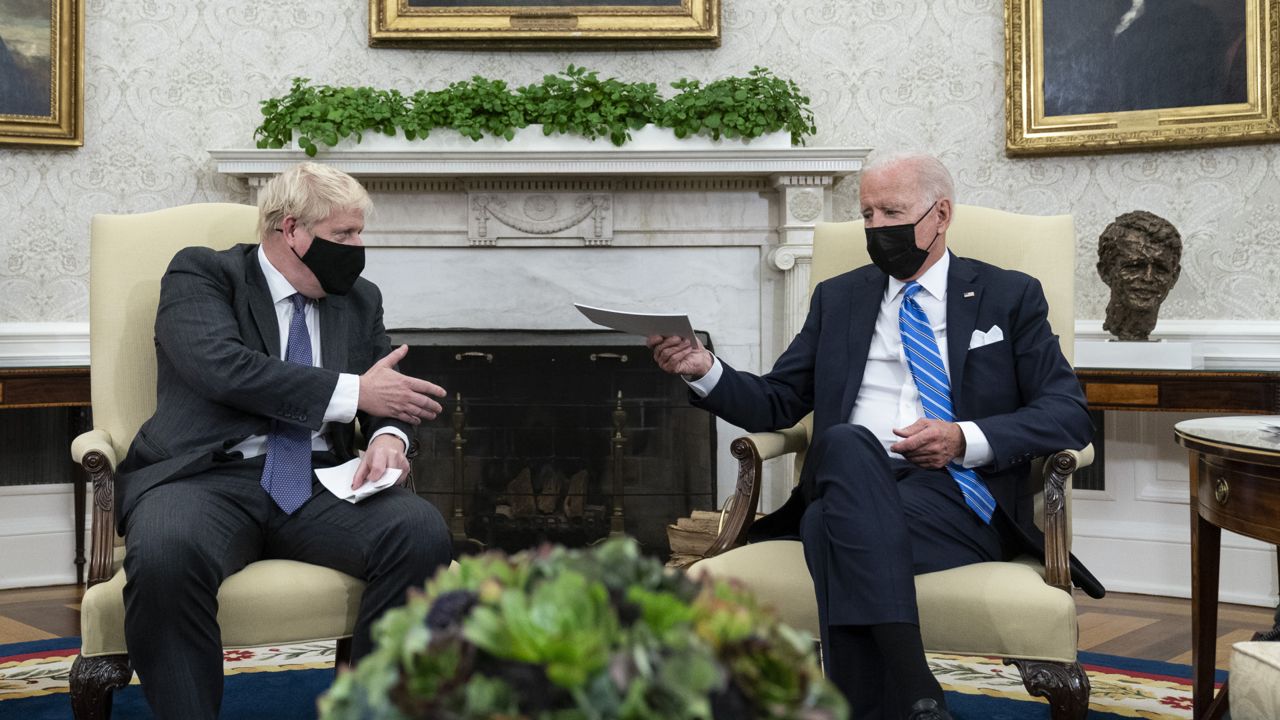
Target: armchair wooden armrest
[[1057, 526], [751, 451], [95, 453]]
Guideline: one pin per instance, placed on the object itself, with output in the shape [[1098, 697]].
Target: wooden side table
[[50, 387], [1235, 485], [1232, 391]]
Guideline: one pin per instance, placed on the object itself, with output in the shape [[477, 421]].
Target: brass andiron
[[457, 526], [619, 441]]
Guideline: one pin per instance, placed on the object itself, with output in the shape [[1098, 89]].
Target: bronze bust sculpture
[[1139, 258]]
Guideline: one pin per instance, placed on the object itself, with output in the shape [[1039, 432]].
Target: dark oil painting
[[1104, 56], [25, 66]]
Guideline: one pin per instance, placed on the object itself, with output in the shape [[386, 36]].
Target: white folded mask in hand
[[338, 480]]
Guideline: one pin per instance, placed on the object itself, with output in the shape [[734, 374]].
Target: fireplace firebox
[[557, 436]]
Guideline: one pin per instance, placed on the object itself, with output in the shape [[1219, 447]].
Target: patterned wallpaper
[[165, 80]]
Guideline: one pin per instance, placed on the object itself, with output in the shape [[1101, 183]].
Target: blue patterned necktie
[[930, 374], [287, 474]]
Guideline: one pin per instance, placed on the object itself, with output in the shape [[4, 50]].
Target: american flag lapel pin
[[969, 294]]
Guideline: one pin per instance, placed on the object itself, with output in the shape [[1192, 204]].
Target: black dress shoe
[[928, 709]]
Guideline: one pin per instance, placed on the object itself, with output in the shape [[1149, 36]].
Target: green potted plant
[[575, 102], [595, 634]]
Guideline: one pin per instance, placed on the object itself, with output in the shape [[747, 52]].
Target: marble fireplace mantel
[[510, 239]]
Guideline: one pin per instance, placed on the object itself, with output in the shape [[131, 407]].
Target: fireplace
[[557, 436], [722, 234]]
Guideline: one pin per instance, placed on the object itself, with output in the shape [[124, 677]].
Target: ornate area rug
[[283, 682]]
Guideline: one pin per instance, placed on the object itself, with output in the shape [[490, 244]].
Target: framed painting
[[1098, 75], [42, 72], [545, 23]]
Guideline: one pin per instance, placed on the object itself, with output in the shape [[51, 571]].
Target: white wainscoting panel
[[37, 536]]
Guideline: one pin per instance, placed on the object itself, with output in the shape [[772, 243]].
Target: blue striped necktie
[[287, 473], [926, 365]]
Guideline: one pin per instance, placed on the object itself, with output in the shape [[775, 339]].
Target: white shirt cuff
[[705, 384], [346, 397], [388, 430], [977, 451]]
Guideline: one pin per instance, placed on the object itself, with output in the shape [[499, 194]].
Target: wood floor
[[1138, 626]]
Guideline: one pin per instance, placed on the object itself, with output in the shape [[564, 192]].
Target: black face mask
[[893, 247], [335, 265]]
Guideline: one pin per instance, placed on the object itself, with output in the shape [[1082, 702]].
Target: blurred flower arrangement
[[595, 634]]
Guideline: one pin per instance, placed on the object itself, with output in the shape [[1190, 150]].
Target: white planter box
[[649, 137]]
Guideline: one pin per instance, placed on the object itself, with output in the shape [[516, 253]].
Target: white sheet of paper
[[338, 480], [644, 324]]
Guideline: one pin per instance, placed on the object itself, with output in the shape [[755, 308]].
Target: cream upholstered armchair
[[1021, 610], [266, 603]]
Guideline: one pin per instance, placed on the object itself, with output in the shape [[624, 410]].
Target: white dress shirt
[[888, 397], [346, 395]]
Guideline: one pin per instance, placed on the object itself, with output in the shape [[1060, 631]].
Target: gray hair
[[309, 192], [933, 177]]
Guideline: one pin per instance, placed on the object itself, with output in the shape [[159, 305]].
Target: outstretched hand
[[930, 443], [386, 392], [680, 356]]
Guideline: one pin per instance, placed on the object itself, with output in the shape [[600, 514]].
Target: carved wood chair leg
[[93, 680], [1064, 685], [342, 659]]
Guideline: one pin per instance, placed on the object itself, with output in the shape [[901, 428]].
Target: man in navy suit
[[916, 461]]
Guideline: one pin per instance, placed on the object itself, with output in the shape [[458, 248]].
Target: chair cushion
[[995, 609], [267, 603], [1255, 681]]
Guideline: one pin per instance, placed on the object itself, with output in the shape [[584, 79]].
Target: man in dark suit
[[933, 380], [265, 355]]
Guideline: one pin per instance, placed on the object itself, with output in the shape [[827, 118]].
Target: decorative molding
[[785, 257], [540, 217], [805, 205], [557, 184], [813, 165], [46, 344]]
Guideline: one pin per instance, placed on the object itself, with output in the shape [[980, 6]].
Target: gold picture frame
[[544, 23], [1187, 74], [42, 72]]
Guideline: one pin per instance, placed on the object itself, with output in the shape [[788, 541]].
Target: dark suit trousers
[[872, 523], [184, 537]]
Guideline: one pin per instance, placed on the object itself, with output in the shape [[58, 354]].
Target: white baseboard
[[37, 536], [1153, 559], [47, 344]]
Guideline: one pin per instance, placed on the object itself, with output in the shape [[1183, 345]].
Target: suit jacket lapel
[[260, 306], [963, 298], [333, 332], [864, 308]]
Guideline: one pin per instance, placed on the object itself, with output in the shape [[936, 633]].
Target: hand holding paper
[[338, 480]]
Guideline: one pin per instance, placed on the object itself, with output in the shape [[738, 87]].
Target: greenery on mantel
[[575, 102]]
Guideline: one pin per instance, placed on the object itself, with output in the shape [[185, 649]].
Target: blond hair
[[310, 192]]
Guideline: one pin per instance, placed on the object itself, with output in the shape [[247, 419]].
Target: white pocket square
[[982, 339]]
